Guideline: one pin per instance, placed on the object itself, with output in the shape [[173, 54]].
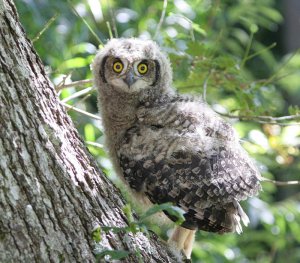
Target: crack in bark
[[14, 211], [21, 186]]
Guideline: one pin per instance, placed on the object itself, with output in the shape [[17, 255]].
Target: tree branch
[[77, 94], [280, 183], [161, 20], [82, 82], [259, 119], [81, 111], [265, 119]]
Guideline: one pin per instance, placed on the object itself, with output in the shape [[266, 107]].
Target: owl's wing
[[206, 183]]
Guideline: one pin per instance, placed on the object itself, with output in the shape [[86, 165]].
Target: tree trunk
[[52, 194]]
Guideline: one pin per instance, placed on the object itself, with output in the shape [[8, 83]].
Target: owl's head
[[132, 66]]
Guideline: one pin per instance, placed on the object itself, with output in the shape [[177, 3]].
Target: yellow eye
[[118, 66], [142, 68]]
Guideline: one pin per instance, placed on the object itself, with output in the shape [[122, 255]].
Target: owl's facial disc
[[130, 76]]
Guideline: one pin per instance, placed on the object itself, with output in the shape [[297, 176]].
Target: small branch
[[73, 84], [113, 20], [205, 85], [48, 24], [81, 100], [265, 119], [283, 118], [62, 82], [109, 30], [247, 50], [162, 17], [270, 79], [280, 183], [86, 23], [81, 111], [78, 94], [98, 145], [187, 87], [260, 51]]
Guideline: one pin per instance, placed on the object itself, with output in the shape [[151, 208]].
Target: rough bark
[[52, 194]]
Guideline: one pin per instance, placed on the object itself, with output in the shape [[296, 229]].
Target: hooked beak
[[129, 79]]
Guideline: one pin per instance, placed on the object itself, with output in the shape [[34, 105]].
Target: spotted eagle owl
[[170, 147]]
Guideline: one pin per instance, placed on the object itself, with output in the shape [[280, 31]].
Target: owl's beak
[[129, 79]]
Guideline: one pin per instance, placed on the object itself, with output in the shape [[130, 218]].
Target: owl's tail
[[239, 216]]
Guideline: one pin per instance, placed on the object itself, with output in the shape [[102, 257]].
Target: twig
[[247, 50], [77, 94], [265, 119], [86, 23], [109, 30], [277, 123], [263, 81], [187, 87], [270, 79], [205, 85], [161, 20], [63, 81], [95, 144], [81, 111], [50, 21], [280, 183], [73, 84], [81, 100], [113, 20], [260, 51]]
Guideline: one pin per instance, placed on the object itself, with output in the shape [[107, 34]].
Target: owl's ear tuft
[[148, 50], [128, 45]]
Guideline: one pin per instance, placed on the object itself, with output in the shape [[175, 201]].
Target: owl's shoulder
[[169, 99], [184, 112], [168, 108]]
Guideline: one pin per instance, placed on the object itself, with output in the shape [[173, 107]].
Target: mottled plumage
[[170, 147]]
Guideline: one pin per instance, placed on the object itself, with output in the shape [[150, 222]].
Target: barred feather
[[206, 174]]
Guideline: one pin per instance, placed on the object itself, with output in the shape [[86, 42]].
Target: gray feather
[[171, 148]]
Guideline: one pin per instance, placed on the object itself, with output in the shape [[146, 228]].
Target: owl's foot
[[183, 239]]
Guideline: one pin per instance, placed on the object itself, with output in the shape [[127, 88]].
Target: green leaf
[[77, 62], [271, 13], [128, 213], [172, 210], [96, 234], [196, 49], [294, 109], [253, 28], [65, 93], [89, 132], [198, 29]]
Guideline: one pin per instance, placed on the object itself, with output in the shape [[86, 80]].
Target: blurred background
[[241, 56]]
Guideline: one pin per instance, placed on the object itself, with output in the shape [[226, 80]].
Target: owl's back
[[180, 151]]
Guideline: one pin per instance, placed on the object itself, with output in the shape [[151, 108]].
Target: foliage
[[222, 50], [134, 226]]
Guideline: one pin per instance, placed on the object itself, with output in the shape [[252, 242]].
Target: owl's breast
[[141, 141]]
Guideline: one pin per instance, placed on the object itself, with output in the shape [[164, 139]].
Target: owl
[[170, 147]]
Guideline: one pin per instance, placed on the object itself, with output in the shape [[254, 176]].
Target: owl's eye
[[142, 68], [118, 66]]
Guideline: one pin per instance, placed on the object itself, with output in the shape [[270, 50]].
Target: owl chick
[[170, 147]]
